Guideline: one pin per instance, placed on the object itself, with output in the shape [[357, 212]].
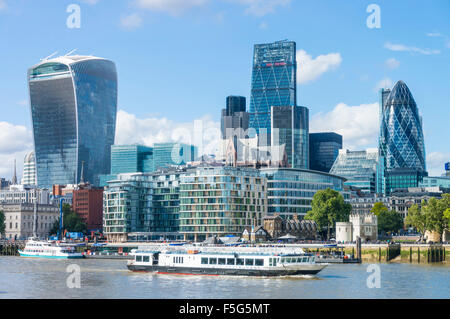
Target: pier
[[10, 248]]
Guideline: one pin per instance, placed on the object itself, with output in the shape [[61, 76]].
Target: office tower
[[166, 154], [323, 150], [73, 107], [29, 170], [358, 167], [235, 119], [88, 205], [401, 142], [447, 169], [274, 83], [131, 159], [290, 127]]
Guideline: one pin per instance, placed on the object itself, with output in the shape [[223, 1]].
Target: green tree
[[417, 218], [378, 208], [389, 221], [328, 207], [71, 222], [2, 224]]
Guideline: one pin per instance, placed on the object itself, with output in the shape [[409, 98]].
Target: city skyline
[[350, 84]]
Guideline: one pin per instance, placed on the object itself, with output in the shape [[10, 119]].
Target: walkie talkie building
[[73, 107]]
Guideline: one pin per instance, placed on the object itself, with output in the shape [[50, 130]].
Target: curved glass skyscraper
[[401, 137], [73, 107]]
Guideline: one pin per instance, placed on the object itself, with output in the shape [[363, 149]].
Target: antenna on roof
[[45, 59], [70, 52]]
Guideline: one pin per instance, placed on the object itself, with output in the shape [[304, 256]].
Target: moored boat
[[195, 262], [45, 249]]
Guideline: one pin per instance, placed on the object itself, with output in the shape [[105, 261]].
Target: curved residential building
[[401, 138], [29, 170], [73, 107]]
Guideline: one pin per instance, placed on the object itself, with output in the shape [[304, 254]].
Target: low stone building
[[277, 227], [19, 220], [255, 234], [364, 226]]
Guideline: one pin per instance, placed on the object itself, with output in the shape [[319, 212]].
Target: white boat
[[45, 249], [223, 262]]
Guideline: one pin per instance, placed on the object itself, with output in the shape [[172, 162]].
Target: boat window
[[299, 259], [230, 261], [146, 259], [283, 260], [204, 261], [259, 262], [304, 259], [288, 260], [249, 262], [212, 261], [138, 258], [239, 262], [221, 261]]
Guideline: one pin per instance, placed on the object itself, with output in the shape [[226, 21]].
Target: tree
[[328, 207], [416, 218], [389, 221], [71, 221], [447, 217], [2, 224], [378, 208]]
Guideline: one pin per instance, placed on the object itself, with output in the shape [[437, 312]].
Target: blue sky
[[177, 60]]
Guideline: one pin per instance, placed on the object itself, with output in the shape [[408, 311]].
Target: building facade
[[217, 201], [73, 108], [18, 194], [290, 191], [235, 119], [131, 159], [402, 199], [323, 150], [277, 227], [290, 127], [274, 83], [19, 220], [166, 154], [29, 170], [364, 226], [359, 168], [88, 205]]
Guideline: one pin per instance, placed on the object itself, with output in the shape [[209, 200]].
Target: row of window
[[232, 261]]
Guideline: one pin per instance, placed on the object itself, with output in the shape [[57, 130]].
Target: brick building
[[88, 204]]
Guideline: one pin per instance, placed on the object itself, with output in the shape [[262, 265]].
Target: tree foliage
[[71, 222], [378, 208], [388, 221], [328, 207], [2, 224], [433, 216]]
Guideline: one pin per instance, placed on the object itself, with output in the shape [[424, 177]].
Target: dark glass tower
[[73, 108], [401, 144], [323, 150], [274, 82], [235, 119]]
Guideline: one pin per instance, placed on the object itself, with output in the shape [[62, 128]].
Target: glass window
[[213, 261], [138, 258], [146, 259], [259, 262], [249, 262], [283, 260], [204, 261], [221, 261], [304, 259], [230, 261], [239, 262]]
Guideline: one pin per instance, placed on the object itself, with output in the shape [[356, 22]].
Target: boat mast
[[35, 214]]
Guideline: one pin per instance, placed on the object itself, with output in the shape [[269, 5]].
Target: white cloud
[[131, 21], [174, 7], [310, 69], [261, 8], [203, 132], [385, 83], [436, 162], [401, 47], [359, 125], [15, 143], [392, 63], [434, 34]]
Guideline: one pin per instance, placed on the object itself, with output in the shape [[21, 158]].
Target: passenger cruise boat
[[45, 249], [194, 262]]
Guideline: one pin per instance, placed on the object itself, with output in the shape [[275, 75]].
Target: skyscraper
[[29, 170], [401, 143], [290, 127], [323, 150], [274, 83], [234, 118], [73, 107]]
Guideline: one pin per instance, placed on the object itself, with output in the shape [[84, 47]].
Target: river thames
[[47, 279]]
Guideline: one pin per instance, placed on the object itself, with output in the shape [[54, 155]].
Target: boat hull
[[225, 271], [50, 256]]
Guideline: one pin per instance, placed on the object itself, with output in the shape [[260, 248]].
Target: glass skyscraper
[[73, 108], [323, 150], [165, 154], [274, 83], [401, 142], [131, 159]]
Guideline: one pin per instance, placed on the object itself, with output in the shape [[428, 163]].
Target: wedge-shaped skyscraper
[[73, 108]]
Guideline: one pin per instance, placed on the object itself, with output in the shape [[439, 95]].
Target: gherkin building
[[401, 137]]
